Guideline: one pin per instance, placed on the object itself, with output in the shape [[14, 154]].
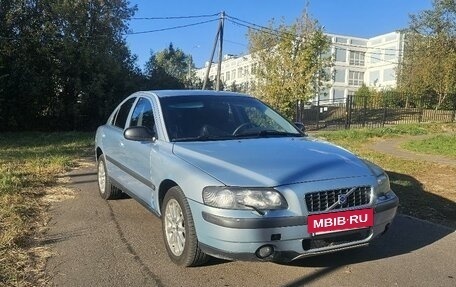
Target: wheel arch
[[165, 185], [98, 152]]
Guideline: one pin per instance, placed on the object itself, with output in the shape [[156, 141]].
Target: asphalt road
[[119, 243]]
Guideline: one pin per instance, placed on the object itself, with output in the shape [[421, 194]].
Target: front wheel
[[106, 189], [179, 230]]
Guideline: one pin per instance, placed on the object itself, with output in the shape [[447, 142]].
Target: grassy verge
[[426, 190], [438, 145], [30, 164]]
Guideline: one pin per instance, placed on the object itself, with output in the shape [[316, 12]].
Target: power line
[[175, 17], [268, 31], [236, 43], [252, 25], [275, 32], [128, 33], [171, 28]]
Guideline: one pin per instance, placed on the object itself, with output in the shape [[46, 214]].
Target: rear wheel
[[106, 189], [179, 230]]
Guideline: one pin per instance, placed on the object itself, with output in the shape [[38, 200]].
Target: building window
[[389, 75], [233, 74], [355, 78], [341, 55], [357, 58], [227, 76], [339, 76], [240, 72]]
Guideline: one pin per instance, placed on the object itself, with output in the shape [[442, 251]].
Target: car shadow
[[417, 201], [407, 234]]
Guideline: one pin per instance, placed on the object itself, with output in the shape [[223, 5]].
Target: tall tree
[[170, 68], [291, 62], [67, 62], [429, 62]]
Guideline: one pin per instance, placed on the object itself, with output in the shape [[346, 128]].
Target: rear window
[[122, 115]]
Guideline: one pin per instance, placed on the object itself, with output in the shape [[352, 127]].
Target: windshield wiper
[[267, 133], [201, 138]]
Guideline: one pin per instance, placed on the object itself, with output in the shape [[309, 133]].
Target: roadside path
[[393, 147]]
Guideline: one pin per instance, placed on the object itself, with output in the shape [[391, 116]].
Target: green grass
[[29, 163], [439, 145], [385, 132], [426, 190]]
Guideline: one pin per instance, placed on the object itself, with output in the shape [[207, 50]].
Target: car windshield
[[203, 118]]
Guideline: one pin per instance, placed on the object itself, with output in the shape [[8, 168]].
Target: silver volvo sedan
[[233, 179]]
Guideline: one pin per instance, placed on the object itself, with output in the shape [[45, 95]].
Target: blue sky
[[361, 18]]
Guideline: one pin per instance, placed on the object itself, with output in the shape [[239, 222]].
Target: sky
[[358, 18]]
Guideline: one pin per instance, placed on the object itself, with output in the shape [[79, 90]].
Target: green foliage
[[429, 63], [170, 69], [292, 62], [67, 63]]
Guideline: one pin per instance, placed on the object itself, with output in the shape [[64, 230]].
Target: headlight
[[243, 198], [383, 185]]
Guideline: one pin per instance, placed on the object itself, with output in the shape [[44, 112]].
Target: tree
[[170, 69], [429, 62], [291, 62], [67, 62]]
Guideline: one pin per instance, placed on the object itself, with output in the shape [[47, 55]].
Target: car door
[[138, 155], [113, 142]]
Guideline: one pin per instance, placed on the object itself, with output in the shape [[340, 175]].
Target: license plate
[[340, 221]]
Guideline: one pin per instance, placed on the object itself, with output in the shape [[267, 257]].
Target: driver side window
[[143, 115]]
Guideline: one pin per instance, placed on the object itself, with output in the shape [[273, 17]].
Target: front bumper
[[240, 238]]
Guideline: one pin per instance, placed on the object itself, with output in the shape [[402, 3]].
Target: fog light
[[264, 251]]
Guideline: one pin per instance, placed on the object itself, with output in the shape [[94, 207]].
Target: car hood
[[271, 161]]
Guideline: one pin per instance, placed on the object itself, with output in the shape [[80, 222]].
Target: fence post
[[453, 118], [364, 110], [384, 110], [420, 116], [348, 111]]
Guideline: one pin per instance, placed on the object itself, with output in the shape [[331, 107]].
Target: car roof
[[175, 93]]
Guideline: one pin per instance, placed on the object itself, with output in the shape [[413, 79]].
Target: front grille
[[321, 200]]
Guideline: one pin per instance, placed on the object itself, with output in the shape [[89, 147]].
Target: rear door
[[113, 142]]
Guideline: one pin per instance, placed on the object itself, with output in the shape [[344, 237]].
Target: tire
[[106, 189], [179, 232]]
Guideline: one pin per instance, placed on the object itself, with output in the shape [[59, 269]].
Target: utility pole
[[219, 66], [218, 36]]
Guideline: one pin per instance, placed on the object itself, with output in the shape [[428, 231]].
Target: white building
[[357, 60]]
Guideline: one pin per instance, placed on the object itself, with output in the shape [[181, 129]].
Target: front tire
[[106, 189], [179, 230]]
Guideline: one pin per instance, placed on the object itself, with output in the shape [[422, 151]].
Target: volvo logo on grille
[[342, 199]]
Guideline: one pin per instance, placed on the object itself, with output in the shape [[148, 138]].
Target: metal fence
[[361, 111]]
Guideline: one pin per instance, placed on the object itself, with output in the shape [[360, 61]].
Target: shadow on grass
[[417, 202]]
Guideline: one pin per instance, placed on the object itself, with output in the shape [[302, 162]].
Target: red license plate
[[339, 221]]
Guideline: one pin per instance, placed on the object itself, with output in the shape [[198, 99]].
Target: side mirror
[[300, 126], [140, 133]]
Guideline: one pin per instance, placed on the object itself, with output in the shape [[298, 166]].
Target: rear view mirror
[[139, 133]]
